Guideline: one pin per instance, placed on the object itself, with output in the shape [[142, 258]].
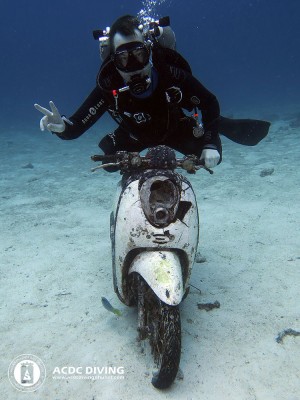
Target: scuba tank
[[103, 36]]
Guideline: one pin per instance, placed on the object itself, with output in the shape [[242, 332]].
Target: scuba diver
[[148, 88]]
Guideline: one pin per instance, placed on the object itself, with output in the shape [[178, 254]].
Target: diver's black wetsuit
[[146, 122]]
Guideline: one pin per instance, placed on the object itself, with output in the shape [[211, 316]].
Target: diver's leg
[[120, 140]]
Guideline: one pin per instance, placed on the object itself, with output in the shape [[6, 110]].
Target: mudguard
[[162, 271]]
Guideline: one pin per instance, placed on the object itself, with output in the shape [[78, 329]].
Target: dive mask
[[131, 57]]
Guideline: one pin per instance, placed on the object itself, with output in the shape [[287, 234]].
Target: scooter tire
[[170, 337], [162, 322]]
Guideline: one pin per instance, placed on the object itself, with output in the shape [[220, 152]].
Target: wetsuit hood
[[108, 78]]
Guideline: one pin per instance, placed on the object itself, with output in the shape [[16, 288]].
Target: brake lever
[[105, 165], [207, 169]]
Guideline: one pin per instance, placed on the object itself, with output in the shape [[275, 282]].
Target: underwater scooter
[[154, 236]]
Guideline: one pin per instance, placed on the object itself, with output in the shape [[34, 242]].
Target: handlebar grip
[[200, 163], [104, 157]]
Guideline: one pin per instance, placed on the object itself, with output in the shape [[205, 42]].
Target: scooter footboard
[[163, 272]]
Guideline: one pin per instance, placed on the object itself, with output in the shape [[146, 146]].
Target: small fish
[[109, 307]]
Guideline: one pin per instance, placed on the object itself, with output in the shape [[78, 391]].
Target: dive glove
[[211, 157], [52, 120]]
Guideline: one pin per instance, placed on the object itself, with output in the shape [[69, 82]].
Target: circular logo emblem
[[92, 111], [195, 100], [27, 373]]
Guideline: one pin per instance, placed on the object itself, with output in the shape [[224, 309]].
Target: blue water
[[244, 51]]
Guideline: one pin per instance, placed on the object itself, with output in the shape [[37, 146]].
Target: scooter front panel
[[134, 233]]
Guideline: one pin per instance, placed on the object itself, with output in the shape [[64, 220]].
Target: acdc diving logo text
[[27, 373], [88, 372]]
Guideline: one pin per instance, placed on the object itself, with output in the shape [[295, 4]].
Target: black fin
[[248, 132]]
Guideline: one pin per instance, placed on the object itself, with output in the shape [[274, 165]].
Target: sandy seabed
[[56, 265]]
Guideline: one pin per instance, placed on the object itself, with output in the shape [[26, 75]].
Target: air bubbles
[[148, 13]]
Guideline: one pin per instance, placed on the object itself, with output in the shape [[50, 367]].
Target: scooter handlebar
[[128, 161]]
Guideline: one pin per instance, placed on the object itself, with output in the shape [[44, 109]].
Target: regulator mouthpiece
[[139, 84]]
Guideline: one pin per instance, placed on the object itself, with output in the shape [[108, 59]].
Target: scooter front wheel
[[161, 323]]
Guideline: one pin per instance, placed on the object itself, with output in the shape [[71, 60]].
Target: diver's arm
[[196, 95], [87, 114], [71, 128]]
